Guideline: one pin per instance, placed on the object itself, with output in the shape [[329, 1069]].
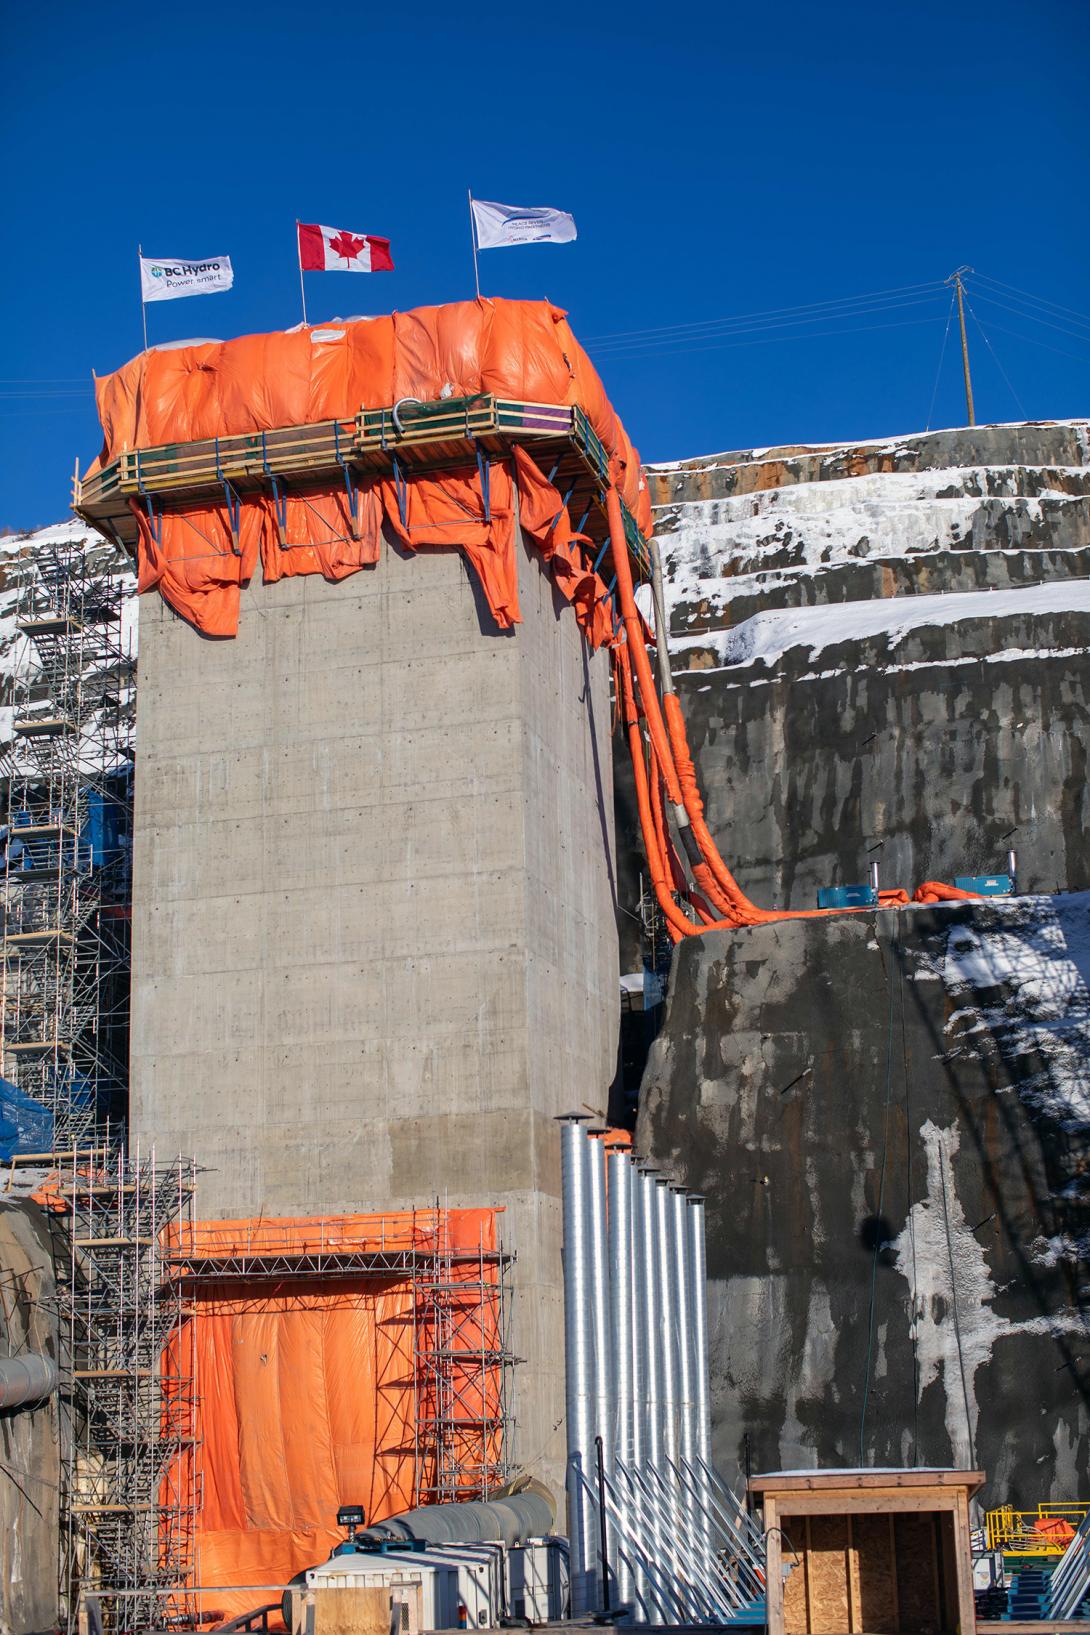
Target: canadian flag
[[337, 249]]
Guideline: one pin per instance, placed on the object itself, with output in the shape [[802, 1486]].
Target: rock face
[[29, 1436], [888, 1114], [882, 655]]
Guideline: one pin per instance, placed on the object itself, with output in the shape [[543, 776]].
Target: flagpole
[[299, 258], [473, 241], [143, 303]]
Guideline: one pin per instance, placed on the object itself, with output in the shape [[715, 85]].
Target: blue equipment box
[[847, 897], [985, 885]]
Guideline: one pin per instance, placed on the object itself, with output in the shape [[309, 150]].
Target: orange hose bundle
[[671, 761]]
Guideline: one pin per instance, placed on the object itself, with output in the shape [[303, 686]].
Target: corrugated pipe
[[27, 1379], [510, 1520]]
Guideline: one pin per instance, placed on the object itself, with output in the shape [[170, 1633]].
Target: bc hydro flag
[[501, 224], [163, 280]]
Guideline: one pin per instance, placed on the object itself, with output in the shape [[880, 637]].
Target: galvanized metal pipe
[[619, 1178], [698, 1316], [689, 1520], [638, 1205], [669, 1337], [599, 1286], [578, 1358]]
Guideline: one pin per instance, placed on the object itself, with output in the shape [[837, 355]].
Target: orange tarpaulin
[[523, 350], [311, 1390]]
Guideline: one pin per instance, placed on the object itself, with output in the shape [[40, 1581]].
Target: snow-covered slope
[[852, 523]]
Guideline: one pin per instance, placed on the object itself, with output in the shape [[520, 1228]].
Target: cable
[[621, 349], [1038, 300], [1033, 317], [878, 1212], [773, 340], [954, 1301], [768, 312], [1019, 405], [1031, 340], [942, 355], [910, 1216]]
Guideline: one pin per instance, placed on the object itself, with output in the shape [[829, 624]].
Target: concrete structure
[[373, 913]]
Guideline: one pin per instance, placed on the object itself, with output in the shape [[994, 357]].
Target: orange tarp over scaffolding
[[513, 349], [309, 1382]]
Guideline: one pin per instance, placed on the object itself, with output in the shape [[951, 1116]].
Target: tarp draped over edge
[[200, 575], [524, 350], [309, 1390]]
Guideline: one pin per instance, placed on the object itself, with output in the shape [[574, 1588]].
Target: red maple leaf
[[347, 245]]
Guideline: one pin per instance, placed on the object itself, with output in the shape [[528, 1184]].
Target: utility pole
[[955, 279]]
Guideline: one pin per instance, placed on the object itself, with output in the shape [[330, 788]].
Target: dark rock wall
[[29, 1437], [930, 750], [888, 1114]]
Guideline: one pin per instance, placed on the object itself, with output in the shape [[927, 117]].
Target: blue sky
[[721, 161]]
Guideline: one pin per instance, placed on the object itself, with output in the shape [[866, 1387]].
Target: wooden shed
[[884, 1552]]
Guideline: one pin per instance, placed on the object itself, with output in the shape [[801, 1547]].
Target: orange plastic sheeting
[[199, 572], [307, 1390], [514, 349]]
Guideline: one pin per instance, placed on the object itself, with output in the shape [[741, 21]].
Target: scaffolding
[[461, 1361], [461, 1368], [67, 768], [128, 1500]]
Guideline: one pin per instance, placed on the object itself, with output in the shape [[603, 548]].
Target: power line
[[768, 312], [666, 342], [1038, 300], [1032, 340], [1032, 317], [776, 340]]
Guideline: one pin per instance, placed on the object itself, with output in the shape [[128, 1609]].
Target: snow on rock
[[955, 1326], [1018, 987], [767, 636], [774, 529]]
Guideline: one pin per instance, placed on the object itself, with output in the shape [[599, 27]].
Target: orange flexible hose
[[666, 846], [678, 923], [717, 883]]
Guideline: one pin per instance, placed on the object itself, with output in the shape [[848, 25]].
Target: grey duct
[[510, 1520], [27, 1379], [578, 1358]]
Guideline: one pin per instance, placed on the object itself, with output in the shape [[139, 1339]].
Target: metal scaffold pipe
[[578, 1358]]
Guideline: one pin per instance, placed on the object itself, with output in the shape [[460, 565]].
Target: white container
[[434, 1586], [538, 1579]]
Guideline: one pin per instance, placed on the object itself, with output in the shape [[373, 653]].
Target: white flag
[[501, 224], [165, 280]]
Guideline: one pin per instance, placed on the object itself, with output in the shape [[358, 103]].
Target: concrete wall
[[888, 1114], [373, 916]]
